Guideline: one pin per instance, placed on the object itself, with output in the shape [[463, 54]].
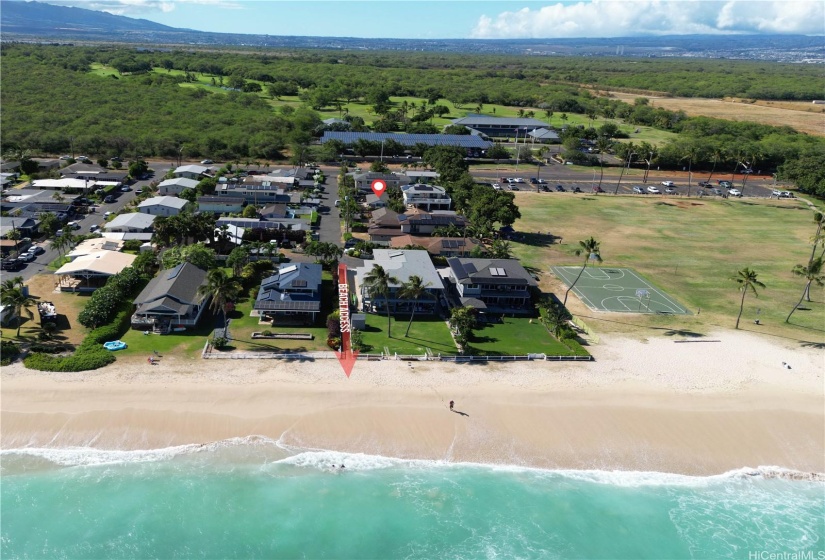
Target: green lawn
[[517, 337], [186, 344], [688, 247], [426, 332]]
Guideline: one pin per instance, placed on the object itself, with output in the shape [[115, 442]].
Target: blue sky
[[424, 19]]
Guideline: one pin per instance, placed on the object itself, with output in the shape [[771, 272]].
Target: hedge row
[[8, 352], [90, 354], [104, 302]]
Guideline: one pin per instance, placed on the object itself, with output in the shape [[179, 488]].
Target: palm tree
[[691, 150], [378, 283], [590, 248], [746, 278], [501, 249], [413, 289], [222, 289], [603, 144], [812, 273], [819, 220], [555, 318], [719, 154], [20, 302], [62, 243], [11, 283]]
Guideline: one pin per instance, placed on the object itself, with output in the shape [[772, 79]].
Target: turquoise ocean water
[[252, 498]]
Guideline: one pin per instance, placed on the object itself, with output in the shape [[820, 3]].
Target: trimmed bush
[[104, 302], [8, 352], [90, 354], [50, 348]]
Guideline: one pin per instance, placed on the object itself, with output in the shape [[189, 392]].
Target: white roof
[[182, 181], [234, 232], [96, 244], [191, 169], [169, 201], [106, 263], [61, 184], [137, 220], [127, 235]]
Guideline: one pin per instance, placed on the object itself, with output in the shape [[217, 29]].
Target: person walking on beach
[[452, 404]]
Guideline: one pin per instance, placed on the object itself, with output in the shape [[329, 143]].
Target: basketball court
[[619, 290]]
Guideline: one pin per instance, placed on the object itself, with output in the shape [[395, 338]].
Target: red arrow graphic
[[346, 357]]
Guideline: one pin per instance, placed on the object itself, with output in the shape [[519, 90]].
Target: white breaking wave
[[323, 459]]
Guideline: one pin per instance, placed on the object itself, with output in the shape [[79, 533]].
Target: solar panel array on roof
[[291, 305], [299, 283], [452, 243], [288, 269], [495, 271], [460, 140]]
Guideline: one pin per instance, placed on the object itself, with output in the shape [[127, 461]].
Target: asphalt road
[[557, 174]]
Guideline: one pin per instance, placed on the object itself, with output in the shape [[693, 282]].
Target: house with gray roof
[[171, 300], [491, 285], [196, 172], [544, 135], [163, 206], [363, 181], [290, 296], [132, 222], [401, 265], [173, 187]]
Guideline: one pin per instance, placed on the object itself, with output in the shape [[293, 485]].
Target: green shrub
[[8, 352], [50, 348], [82, 360], [104, 302], [90, 354]]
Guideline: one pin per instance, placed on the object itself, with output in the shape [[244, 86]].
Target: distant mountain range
[[27, 21]]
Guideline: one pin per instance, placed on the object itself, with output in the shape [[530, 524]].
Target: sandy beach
[[697, 406]]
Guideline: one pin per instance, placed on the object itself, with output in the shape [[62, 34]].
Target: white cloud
[[608, 18], [138, 7]]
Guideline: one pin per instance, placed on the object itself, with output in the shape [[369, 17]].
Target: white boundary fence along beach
[[208, 354]]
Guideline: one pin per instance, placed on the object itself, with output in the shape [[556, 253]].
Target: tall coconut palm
[[603, 144], [812, 272], [378, 283], [62, 243], [222, 289], [413, 289], [747, 281], [590, 249], [11, 283], [819, 220], [20, 302]]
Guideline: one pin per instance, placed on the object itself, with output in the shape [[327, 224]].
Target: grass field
[[686, 247], [517, 337], [425, 332], [804, 117]]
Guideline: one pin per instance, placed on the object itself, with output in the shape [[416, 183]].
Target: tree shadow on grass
[[535, 239], [682, 332], [817, 345]]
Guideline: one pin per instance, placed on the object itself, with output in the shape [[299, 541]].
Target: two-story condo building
[[428, 197], [292, 295], [492, 285], [400, 265]]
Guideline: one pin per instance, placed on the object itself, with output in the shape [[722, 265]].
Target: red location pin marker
[[378, 187]]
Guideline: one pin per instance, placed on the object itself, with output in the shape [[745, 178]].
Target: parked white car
[[735, 192], [653, 190], [668, 183]]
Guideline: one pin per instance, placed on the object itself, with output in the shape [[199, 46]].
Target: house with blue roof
[[290, 296]]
